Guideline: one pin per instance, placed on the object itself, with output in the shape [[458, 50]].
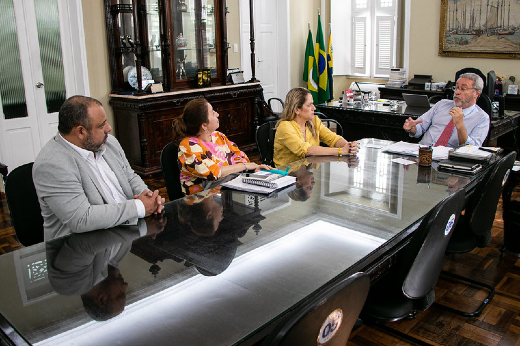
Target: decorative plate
[[132, 76]]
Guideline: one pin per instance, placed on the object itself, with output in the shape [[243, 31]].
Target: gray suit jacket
[[71, 198]]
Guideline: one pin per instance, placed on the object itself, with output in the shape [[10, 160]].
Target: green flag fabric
[[310, 73], [321, 61]]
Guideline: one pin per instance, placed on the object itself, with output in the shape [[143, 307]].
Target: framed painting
[[480, 29]]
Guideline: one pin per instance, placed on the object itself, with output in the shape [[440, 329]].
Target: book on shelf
[[464, 167]]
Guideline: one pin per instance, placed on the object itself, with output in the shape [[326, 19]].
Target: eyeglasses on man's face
[[462, 88]]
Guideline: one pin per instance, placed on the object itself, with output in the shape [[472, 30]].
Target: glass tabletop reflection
[[220, 265]]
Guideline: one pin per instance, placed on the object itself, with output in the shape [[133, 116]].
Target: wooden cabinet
[[170, 42], [144, 123], [167, 41]]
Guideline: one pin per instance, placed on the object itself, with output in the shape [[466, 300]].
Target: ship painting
[[481, 26]]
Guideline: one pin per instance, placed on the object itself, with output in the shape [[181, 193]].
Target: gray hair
[[478, 83]]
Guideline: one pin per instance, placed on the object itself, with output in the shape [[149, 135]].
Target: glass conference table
[[227, 265]]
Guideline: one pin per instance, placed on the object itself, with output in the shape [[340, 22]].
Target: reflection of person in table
[[299, 132], [455, 183], [471, 123], [302, 170], [202, 212], [86, 264]]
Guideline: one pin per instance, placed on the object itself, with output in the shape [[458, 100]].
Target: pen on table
[[489, 150]]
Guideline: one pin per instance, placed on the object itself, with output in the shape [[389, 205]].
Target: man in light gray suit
[[83, 179]]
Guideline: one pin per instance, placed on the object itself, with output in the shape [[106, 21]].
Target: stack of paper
[[412, 149], [471, 152]]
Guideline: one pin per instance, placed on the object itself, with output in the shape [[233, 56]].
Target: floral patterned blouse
[[200, 161]]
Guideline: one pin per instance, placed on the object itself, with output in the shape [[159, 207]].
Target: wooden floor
[[498, 325]]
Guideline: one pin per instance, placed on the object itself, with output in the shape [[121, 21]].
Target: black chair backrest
[[171, 171], [265, 134], [315, 322], [22, 201], [279, 100], [482, 206], [471, 70], [3, 170], [484, 102], [333, 125], [428, 245], [265, 112]]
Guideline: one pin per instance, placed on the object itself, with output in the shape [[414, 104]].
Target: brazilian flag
[[329, 70], [310, 74], [321, 60]]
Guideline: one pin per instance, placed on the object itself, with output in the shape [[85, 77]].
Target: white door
[[43, 63], [271, 46]]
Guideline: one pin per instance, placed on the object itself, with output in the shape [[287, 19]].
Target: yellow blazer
[[289, 145]]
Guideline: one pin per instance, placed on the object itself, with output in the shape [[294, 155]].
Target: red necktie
[[445, 135]]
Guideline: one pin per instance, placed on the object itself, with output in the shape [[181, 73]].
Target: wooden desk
[[379, 121], [397, 93], [266, 258]]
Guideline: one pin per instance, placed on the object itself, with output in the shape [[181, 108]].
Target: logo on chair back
[[330, 326], [505, 177], [449, 225]]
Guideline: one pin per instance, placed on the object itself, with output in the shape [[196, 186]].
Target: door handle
[[39, 85]]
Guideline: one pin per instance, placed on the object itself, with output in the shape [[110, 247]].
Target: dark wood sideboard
[[144, 123]]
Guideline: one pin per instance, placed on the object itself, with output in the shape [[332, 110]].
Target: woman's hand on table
[[351, 148], [256, 167]]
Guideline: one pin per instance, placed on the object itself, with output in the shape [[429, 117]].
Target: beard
[[90, 145], [458, 102]]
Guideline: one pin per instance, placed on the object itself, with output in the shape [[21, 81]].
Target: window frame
[[345, 18]]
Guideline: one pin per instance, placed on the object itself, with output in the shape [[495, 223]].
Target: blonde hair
[[294, 100]]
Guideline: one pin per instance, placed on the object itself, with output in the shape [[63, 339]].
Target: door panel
[[46, 63]]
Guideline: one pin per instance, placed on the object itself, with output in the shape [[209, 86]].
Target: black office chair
[[22, 201], [408, 287], [3, 175], [450, 93], [333, 125], [470, 70], [484, 102], [474, 228], [265, 134], [171, 171], [265, 110], [327, 319]]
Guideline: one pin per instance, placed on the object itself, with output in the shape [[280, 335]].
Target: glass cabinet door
[[126, 36], [152, 39], [169, 41], [194, 28]]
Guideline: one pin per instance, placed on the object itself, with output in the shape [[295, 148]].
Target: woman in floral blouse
[[204, 153]]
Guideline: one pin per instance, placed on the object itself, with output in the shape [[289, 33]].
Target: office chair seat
[[171, 171], [24, 206]]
